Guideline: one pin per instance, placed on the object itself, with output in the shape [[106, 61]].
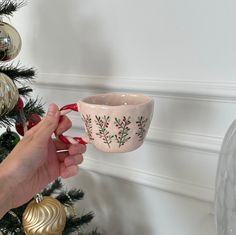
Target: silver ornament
[[8, 94], [10, 42]]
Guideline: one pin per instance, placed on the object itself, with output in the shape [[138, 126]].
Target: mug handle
[[67, 139]]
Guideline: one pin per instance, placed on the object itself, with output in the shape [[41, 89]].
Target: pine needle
[[8, 7]]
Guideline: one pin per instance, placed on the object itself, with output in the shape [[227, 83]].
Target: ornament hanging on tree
[[9, 139], [8, 94], [44, 216], [10, 42]]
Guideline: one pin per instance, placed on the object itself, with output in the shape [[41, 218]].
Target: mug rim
[[145, 102]]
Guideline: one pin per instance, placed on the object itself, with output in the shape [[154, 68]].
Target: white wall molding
[[150, 179], [195, 141], [221, 91]]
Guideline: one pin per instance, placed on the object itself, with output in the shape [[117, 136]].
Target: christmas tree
[[19, 112]]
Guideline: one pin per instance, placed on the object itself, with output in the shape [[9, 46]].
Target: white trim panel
[[149, 179], [212, 90]]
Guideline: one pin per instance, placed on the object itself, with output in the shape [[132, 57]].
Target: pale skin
[[37, 160]]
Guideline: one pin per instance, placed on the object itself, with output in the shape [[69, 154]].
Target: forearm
[[4, 193]]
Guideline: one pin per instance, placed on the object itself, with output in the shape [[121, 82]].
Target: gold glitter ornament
[[8, 94], [10, 42], [46, 216]]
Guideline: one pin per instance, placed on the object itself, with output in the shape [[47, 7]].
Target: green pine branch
[[18, 72], [8, 7], [6, 121], [33, 106], [68, 198], [73, 223], [24, 91], [10, 224], [56, 185]]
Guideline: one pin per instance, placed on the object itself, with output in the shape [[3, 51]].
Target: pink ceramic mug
[[114, 122]]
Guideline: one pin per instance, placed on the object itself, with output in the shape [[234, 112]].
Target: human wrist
[[5, 195]]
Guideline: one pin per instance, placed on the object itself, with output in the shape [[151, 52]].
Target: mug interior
[[117, 99]]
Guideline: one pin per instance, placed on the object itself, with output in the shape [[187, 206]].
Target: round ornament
[[44, 217], [8, 94], [9, 139], [10, 42]]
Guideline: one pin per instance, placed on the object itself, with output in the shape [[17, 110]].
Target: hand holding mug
[[114, 122]]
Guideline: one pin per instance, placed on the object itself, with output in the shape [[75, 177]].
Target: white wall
[[182, 53], [127, 208]]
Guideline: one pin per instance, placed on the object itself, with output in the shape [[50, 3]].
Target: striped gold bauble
[[9, 94], [46, 216]]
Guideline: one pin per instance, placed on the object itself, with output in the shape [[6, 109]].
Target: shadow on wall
[[118, 206], [69, 39]]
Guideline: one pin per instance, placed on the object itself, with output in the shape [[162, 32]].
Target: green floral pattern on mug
[[88, 125], [121, 136], [141, 122], [123, 126], [103, 124]]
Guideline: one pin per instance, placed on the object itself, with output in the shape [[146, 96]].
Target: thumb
[[48, 124]]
